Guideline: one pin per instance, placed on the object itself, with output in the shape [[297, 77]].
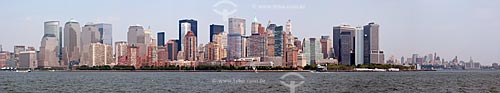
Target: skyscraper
[[49, 52], [244, 46], [185, 27], [236, 29], [415, 56], [343, 44], [257, 44], [326, 47], [346, 48], [312, 50], [297, 43], [148, 35], [403, 62], [220, 42], [358, 46], [90, 34], [172, 50], [257, 41], [278, 41], [190, 46], [50, 46], [255, 27], [288, 26], [288, 38], [371, 45], [136, 37], [270, 39], [72, 43], [193, 26], [106, 33], [215, 29], [51, 28], [161, 38]]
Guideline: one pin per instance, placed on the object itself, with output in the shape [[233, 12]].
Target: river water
[[248, 82]]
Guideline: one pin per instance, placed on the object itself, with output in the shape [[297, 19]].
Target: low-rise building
[[27, 60]]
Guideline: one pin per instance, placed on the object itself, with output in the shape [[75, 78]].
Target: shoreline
[[223, 71]]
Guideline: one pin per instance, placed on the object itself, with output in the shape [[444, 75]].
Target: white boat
[[363, 69], [393, 69], [23, 70], [379, 70]]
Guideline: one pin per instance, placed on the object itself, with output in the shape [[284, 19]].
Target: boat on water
[[321, 68], [379, 70], [393, 70], [23, 70], [376, 70]]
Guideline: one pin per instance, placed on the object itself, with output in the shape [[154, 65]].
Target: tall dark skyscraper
[[172, 49], [278, 41], [346, 48], [161, 38], [343, 44], [215, 29], [194, 27], [371, 45]]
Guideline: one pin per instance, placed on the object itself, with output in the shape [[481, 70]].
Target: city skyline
[[419, 27]]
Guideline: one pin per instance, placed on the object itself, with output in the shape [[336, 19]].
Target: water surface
[[247, 82]]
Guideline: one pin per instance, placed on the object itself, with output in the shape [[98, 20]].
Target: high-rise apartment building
[[100, 54]]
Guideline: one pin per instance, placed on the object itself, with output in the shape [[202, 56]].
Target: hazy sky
[[451, 28]]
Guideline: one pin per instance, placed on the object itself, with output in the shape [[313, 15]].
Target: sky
[[463, 28]]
